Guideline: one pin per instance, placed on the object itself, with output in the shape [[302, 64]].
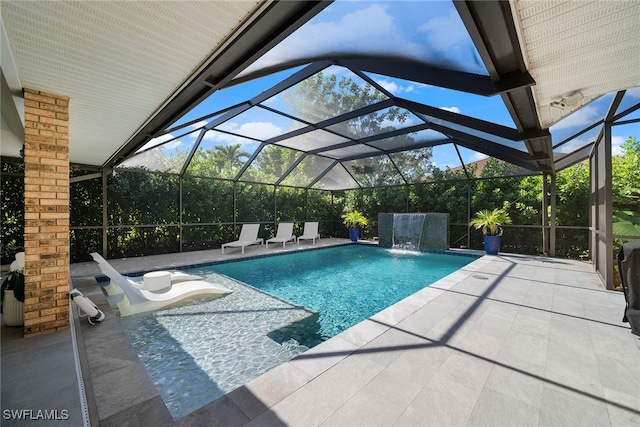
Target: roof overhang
[[130, 67]]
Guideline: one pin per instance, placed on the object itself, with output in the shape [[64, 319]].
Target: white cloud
[[389, 86], [588, 138], [583, 117], [455, 35], [156, 141], [577, 143], [223, 138], [258, 130], [452, 109], [198, 125], [313, 38], [574, 145], [478, 156], [394, 88], [172, 145], [616, 143], [397, 29], [365, 27], [633, 92]]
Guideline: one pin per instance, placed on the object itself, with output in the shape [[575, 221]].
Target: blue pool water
[[201, 349], [344, 284]]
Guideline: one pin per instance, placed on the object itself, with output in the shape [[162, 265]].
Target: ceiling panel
[[578, 46]]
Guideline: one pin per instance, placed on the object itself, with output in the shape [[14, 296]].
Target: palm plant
[[354, 219], [491, 221]]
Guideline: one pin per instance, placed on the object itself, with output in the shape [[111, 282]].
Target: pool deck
[[508, 340]]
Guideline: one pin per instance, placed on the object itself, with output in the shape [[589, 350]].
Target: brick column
[[46, 212]]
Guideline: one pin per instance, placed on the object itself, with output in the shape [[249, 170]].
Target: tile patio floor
[[508, 340]]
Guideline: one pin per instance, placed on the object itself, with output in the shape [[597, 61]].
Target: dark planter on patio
[[354, 233], [492, 244]]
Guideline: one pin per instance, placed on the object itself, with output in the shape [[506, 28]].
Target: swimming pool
[[346, 284], [202, 349]]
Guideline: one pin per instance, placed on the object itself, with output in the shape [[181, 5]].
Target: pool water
[[201, 349], [345, 284]]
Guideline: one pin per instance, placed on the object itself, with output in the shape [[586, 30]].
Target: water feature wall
[[417, 231], [407, 231]]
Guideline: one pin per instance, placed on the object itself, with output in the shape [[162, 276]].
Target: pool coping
[[139, 273], [110, 363]]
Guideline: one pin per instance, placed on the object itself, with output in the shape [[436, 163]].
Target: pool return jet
[[157, 289]]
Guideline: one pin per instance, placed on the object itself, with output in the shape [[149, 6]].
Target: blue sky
[[427, 31]]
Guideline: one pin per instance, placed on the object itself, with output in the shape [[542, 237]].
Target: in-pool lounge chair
[[248, 236], [310, 232], [284, 234], [157, 289]]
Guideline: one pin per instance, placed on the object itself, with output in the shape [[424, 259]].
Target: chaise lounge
[[156, 290], [310, 232], [283, 235], [248, 237]]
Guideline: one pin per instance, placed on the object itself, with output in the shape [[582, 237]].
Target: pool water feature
[[407, 230], [199, 350]]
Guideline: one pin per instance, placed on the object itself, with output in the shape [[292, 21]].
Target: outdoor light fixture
[[568, 101]]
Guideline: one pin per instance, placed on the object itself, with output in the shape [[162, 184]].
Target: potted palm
[[12, 292], [491, 221], [354, 220]]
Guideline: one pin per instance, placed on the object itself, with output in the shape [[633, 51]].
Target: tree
[[626, 189], [321, 97], [271, 164], [223, 161], [572, 195]]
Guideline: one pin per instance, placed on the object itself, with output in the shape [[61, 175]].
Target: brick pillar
[[46, 212]]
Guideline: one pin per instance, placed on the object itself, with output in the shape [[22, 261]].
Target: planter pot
[[12, 309], [354, 233], [492, 244]]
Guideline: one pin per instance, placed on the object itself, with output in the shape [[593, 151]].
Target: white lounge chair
[[176, 276], [248, 236], [284, 234], [310, 232], [138, 297]]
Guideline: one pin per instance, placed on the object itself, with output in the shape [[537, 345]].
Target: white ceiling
[[117, 61], [591, 47], [120, 62]]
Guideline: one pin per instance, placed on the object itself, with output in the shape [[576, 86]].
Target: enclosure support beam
[[545, 213], [180, 220], [601, 218], [235, 204], [468, 214], [607, 221], [105, 217], [552, 229]]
